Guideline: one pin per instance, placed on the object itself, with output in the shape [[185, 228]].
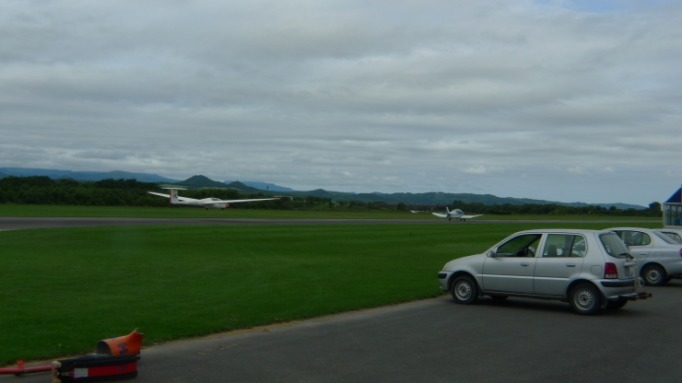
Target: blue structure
[[672, 210]]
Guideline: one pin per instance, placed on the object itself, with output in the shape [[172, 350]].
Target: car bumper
[[618, 283], [443, 278], [623, 290], [634, 296]]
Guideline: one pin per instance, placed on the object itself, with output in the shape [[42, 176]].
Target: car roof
[[631, 228], [563, 231]]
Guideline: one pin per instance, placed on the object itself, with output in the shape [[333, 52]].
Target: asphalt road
[[18, 223], [519, 340], [439, 341]]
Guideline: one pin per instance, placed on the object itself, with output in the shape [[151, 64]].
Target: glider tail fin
[[173, 196]]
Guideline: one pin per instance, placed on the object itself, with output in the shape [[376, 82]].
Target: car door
[[510, 267], [561, 258]]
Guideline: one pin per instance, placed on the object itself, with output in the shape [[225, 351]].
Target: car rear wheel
[[464, 290], [585, 299], [654, 275]]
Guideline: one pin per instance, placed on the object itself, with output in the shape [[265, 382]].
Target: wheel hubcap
[[653, 276], [584, 299], [463, 291]]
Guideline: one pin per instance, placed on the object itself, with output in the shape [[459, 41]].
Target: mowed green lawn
[[62, 290]]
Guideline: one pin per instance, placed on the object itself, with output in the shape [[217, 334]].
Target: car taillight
[[610, 271]]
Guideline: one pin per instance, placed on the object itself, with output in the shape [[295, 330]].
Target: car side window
[[521, 246], [579, 248], [634, 238], [563, 245]]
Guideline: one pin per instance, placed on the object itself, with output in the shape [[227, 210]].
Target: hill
[[200, 181], [446, 199], [196, 182], [203, 182], [264, 186], [83, 175]]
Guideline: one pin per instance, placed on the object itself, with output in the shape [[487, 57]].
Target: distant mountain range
[[252, 187], [83, 176]]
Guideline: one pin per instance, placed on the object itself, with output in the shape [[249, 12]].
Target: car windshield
[[614, 246]]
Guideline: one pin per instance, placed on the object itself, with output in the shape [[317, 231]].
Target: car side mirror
[[492, 253]]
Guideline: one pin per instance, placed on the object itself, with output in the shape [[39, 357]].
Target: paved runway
[[16, 223]]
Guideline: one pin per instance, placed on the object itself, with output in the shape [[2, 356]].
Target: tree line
[[130, 192]]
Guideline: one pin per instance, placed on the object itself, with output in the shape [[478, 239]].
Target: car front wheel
[[464, 290], [585, 299]]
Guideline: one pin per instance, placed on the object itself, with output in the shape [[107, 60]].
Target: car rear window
[[674, 236], [614, 246], [665, 238]]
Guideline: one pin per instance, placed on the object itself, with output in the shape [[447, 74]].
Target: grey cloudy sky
[[558, 100]]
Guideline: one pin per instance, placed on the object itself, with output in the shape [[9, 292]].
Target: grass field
[[64, 289]]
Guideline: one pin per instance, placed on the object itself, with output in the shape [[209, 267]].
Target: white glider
[[206, 203]]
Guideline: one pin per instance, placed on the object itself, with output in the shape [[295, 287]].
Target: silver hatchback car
[[658, 256], [589, 269]]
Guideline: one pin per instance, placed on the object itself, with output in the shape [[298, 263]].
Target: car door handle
[[570, 265], [525, 264]]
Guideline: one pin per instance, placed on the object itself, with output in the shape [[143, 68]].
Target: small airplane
[[456, 213], [206, 203]]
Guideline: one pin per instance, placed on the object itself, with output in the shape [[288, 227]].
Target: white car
[[659, 257], [589, 269]]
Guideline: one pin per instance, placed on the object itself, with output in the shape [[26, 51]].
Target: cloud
[[348, 95]]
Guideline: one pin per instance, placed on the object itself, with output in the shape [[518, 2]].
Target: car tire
[[615, 305], [464, 290], [585, 299], [654, 275]]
